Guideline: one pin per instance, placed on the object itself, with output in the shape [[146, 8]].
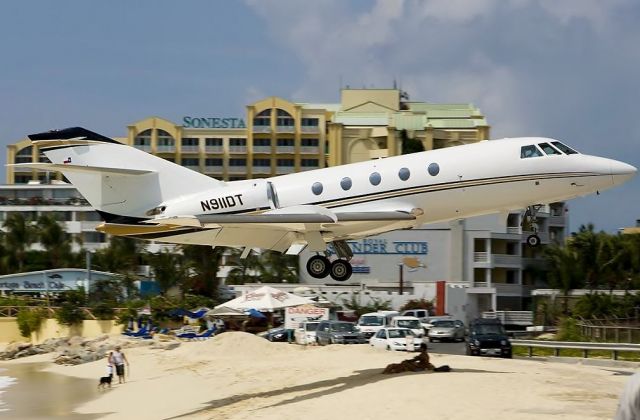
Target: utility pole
[[401, 274]]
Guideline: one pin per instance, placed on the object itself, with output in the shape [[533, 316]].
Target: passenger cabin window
[[564, 148], [549, 149], [529, 151]]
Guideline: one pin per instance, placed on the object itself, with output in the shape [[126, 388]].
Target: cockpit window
[[549, 149], [564, 148], [529, 151]]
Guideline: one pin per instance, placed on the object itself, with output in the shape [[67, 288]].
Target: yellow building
[[277, 136]]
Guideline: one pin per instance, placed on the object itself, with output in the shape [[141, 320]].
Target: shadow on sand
[[322, 388]]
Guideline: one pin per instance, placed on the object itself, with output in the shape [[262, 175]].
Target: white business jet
[[146, 197]]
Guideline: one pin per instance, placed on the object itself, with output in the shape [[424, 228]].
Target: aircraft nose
[[622, 172]]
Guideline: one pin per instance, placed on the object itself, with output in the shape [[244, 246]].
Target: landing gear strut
[[531, 219], [320, 267]]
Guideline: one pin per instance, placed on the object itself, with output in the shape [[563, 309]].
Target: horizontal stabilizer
[[80, 168]]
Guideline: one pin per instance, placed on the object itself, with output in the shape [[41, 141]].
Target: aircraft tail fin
[[117, 179]]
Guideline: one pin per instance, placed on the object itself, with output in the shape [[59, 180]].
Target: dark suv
[[487, 337]]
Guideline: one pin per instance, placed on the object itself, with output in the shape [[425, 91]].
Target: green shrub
[[30, 321], [568, 330], [103, 310], [69, 314]]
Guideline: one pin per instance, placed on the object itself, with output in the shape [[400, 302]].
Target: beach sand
[[240, 376]]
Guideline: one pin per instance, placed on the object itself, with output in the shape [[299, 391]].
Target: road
[[447, 347]]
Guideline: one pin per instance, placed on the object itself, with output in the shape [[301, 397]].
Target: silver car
[[446, 330]]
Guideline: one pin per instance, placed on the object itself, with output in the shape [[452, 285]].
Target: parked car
[[275, 334], [410, 322], [488, 337], [394, 338], [369, 324], [338, 332], [446, 330]]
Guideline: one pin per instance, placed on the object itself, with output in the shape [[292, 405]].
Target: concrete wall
[[50, 328]]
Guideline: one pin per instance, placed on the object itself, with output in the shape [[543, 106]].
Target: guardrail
[[614, 348]]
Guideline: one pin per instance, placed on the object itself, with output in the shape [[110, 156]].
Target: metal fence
[[585, 347], [611, 329]]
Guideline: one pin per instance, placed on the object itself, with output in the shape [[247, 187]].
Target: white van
[[371, 323], [410, 322]]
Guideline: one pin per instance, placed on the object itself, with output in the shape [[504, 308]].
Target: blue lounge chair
[[141, 332]]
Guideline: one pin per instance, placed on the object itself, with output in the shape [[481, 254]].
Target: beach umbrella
[[224, 311], [255, 314], [266, 298]]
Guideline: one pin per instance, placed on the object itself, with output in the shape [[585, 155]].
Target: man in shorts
[[118, 359]]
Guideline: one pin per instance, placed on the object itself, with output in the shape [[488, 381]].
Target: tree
[[54, 240], [245, 270], [18, 238], [565, 271], [410, 145], [204, 262], [276, 267], [169, 270]]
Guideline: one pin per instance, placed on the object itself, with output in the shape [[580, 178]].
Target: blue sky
[[563, 69]]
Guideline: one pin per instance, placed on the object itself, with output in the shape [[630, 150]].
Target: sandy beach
[[240, 376]]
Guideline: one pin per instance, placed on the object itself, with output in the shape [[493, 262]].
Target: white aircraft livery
[[143, 196]]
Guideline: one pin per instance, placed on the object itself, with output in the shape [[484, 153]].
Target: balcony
[[310, 129], [285, 169], [310, 150], [505, 259], [261, 149], [285, 129], [237, 149], [166, 148], [214, 149], [512, 289], [193, 167], [557, 220], [261, 129], [515, 230], [285, 149], [213, 169], [143, 147], [190, 149], [238, 170], [481, 257], [262, 169]]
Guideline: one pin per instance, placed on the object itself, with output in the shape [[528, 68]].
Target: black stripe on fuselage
[[365, 198]]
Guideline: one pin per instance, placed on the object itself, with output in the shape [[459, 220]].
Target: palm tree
[[279, 268], [203, 262], [169, 270], [565, 272], [18, 238], [54, 240], [245, 269]]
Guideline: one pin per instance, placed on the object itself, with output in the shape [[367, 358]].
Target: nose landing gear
[[320, 267], [531, 219]]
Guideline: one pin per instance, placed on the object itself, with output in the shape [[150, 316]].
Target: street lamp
[[401, 277]]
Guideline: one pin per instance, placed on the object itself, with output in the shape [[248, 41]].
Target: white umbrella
[[222, 311], [265, 298]]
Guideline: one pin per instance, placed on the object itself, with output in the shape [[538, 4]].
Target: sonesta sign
[[213, 122]]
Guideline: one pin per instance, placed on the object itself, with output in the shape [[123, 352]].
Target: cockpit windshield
[[564, 148], [548, 149], [529, 151]]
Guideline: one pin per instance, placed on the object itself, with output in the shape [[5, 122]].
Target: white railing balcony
[[310, 129], [285, 169], [143, 147], [214, 149], [261, 129], [481, 257], [237, 149], [262, 169], [166, 149], [190, 149], [517, 230], [557, 220], [237, 169], [285, 129], [480, 284], [309, 149], [504, 259], [261, 149], [285, 149], [213, 169]]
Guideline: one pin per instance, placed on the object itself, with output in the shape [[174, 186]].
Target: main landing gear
[[531, 219], [320, 267]]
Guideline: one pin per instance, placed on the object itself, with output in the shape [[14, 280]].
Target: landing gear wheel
[[341, 270], [533, 240], [319, 266]]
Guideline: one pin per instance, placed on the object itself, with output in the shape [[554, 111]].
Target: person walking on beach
[[118, 359]]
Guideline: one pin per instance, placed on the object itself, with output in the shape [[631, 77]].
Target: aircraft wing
[[280, 229]]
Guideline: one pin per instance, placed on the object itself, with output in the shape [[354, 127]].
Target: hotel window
[[165, 139], [190, 162], [262, 142], [284, 119], [237, 142], [24, 155], [286, 162], [263, 119], [309, 142], [237, 162], [285, 142], [143, 139], [190, 141], [261, 162], [213, 141], [310, 122], [213, 162], [309, 163]]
